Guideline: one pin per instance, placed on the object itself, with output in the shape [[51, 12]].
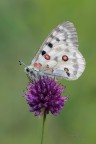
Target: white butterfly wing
[[65, 33], [71, 69], [59, 55]]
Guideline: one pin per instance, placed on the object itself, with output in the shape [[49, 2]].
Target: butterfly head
[[28, 69], [31, 72]]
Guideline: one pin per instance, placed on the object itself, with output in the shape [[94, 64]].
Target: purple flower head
[[44, 95]]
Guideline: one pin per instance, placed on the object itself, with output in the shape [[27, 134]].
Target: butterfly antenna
[[22, 63]]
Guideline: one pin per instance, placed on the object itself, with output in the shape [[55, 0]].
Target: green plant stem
[[42, 137]]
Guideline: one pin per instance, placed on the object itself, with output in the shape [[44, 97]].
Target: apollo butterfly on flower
[[58, 57]]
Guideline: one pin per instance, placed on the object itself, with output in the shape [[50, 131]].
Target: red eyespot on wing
[[66, 69], [46, 56], [37, 65], [65, 58]]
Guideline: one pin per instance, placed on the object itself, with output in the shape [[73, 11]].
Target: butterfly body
[[58, 57], [34, 74]]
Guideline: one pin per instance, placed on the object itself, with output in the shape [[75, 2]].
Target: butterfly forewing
[[64, 34], [59, 55]]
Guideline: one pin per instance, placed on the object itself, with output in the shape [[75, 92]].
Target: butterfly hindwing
[[72, 68]]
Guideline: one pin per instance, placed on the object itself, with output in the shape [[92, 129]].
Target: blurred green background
[[24, 24]]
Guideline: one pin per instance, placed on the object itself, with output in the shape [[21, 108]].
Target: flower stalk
[[44, 97], [43, 129]]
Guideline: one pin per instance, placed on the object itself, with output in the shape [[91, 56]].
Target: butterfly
[[58, 57]]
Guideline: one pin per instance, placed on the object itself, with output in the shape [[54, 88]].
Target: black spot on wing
[[57, 39], [68, 74], [50, 44], [67, 71], [43, 52], [53, 37], [56, 58]]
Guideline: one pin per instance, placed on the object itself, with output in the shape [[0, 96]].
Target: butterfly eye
[[27, 70], [65, 58]]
